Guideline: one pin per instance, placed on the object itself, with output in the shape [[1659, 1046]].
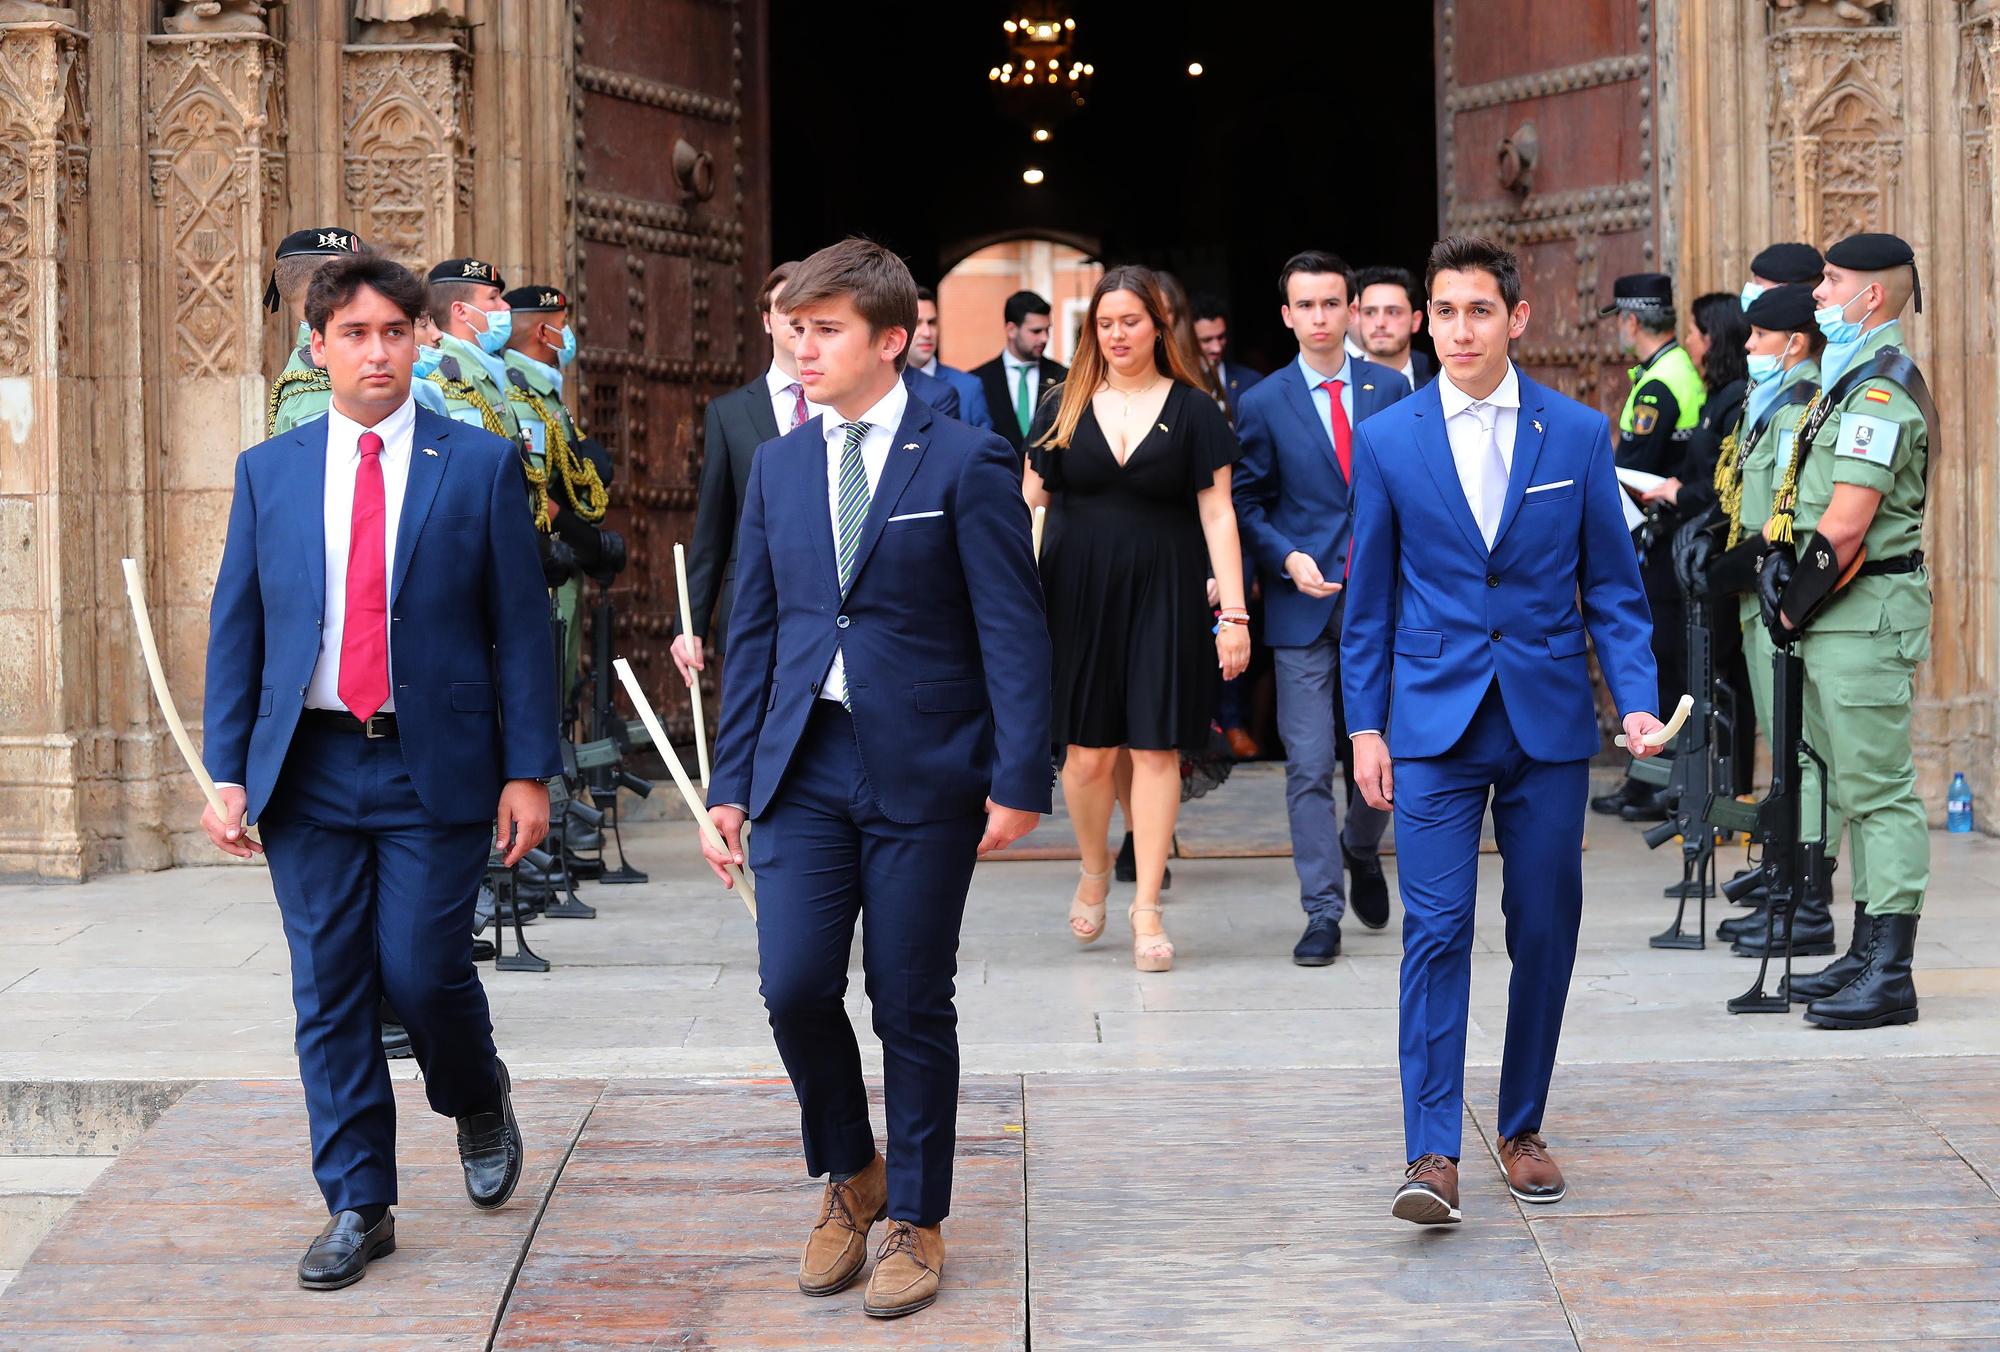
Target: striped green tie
[[853, 504]]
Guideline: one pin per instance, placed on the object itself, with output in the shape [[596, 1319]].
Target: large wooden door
[[672, 211], [1546, 142]]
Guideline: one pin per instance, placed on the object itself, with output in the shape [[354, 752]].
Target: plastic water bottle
[[1958, 806]]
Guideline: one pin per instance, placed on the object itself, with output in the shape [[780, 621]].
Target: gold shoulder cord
[[306, 381], [1787, 497], [586, 493], [1729, 480], [466, 392]]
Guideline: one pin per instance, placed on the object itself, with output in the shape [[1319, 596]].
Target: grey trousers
[[1308, 714]]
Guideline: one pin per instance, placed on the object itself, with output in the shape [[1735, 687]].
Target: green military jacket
[[1877, 439], [533, 390], [301, 392], [473, 389], [1761, 459]]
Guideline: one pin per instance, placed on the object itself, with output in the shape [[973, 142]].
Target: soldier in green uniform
[[1661, 412], [301, 392], [1783, 349], [473, 325], [540, 348], [1853, 496]]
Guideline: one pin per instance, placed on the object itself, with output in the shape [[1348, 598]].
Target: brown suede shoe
[[838, 1245], [1431, 1195], [1531, 1175], [908, 1268]]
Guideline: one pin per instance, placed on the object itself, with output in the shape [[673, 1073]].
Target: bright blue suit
[[878, 812], [1472, 662], [941, 395], [971, 396], [376, 846]]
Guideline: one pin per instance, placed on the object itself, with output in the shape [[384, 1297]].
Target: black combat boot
[[1801, 987], [1612, 804], [1735, 927], [1811, 926], [1883, 992]]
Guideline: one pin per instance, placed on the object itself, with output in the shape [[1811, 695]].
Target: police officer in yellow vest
[[1850, 578], [539, 350], [473, 325], [301, 392], [1661, 412]]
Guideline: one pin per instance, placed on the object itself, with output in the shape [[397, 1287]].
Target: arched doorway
[[972, 294]]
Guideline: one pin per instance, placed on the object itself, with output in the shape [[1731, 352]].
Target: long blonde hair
[[1169, 355]]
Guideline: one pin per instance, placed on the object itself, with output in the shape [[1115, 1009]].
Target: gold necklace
[[1129, 395]]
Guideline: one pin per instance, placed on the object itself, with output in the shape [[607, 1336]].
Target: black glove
[[1772, 579], [558, 561], [1694, 549]]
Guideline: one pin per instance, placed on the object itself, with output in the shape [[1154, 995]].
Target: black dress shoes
[[1319, 945], [490, 1149], [1611, 804], [341, 1254], [1367, 890]]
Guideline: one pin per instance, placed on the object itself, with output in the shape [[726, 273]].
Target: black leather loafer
[[1367, 889], [490, 1149], [1319, 945], [341, 1254]]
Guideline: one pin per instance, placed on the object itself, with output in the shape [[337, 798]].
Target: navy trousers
[[824, 856], [377, 900], [1309, 721], [1538, 811]]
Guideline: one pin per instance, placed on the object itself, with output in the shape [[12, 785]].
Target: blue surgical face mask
[[1834, 323], [499, 328], [428, 359], [1750, 293], [1765, 367], [566, 352]]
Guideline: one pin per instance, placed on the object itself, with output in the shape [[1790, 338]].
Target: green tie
[[853, 501], [1024, 405]]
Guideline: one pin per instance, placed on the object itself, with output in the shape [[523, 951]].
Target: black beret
[[1782, 263], [1641, 293], [319, 239], [474, 270], [1783, 307], [1875, 252], [534, 299]]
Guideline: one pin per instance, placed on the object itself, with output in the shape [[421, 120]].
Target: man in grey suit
[[734, 427]]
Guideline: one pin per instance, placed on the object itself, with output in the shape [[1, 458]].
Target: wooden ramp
[[1724, 1205]]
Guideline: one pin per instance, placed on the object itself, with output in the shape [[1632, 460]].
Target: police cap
[[477, 271], [1877, 253], [1783, 307], [533, 299], [1784, 263], [1644, 293]]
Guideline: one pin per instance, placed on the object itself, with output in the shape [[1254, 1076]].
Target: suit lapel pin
[[1536, 423], [1165, 428], [910, 446], [1367, 387], [429, 451]]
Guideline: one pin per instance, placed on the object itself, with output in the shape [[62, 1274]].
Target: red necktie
[[799, 408], [364, 636], [1343, 439]]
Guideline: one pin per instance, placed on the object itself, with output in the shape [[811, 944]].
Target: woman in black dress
[[1132, 459]]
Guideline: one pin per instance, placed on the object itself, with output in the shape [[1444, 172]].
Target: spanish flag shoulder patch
[[1877, 395]]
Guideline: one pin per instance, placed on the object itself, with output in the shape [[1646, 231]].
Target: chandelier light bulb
[[1031, 176]]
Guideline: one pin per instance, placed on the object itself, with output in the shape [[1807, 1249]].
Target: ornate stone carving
[[208, 112], [36, 11], [219, 16], [1850, 13], [408, 179], [1836, 130], [44, 160], [393, 21]]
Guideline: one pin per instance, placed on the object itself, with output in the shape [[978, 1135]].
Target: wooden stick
[[1661, 736], [680, 774], [1041, 522], [694, 686], [135, 588]]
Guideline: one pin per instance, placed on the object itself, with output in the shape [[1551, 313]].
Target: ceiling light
[[1041, 133], [1194, 67], [1031, 176]]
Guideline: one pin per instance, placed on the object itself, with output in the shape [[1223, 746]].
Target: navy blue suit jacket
[[1290, 493], [1434, 618], [939, 394], [469, 642], [971, 396], [943, 633]]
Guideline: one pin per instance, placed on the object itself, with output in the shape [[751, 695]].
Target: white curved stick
[[694, 686], [135, 588], [680, 774], [1661, 736], [1041, 523]]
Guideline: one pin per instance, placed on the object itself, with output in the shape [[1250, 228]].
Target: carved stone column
[[216, 176], [45, 555], [405, 114]]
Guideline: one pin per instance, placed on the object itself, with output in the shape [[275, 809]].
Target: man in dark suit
[[1016, 379], [1388, 315], [924, 357], [941, 395], [382, 541], [885, 720], [1211, 330], [1294, 504]]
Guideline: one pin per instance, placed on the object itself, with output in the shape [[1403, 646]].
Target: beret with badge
[[326, 240]]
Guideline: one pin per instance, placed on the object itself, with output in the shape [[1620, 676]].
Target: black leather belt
[[1902, 563], [339, 720]]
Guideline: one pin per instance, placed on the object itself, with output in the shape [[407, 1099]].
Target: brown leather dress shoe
[[1241, 744], [838, 1244], [908, 1268], [1430, 1197], [1531, 1175]]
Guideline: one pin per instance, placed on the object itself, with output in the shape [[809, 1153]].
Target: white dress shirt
[[343, 459], [930, 367], [785, 402], [1014, 366], [883, 420], [1465, 430]]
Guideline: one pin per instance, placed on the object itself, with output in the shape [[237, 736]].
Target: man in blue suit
[[1488, 542], [924, 357], [941, 396], [1294, 501], [380, 676], [885, 721]]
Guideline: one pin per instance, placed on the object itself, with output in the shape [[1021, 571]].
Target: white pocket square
[[1559, 483], [913, 516]]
